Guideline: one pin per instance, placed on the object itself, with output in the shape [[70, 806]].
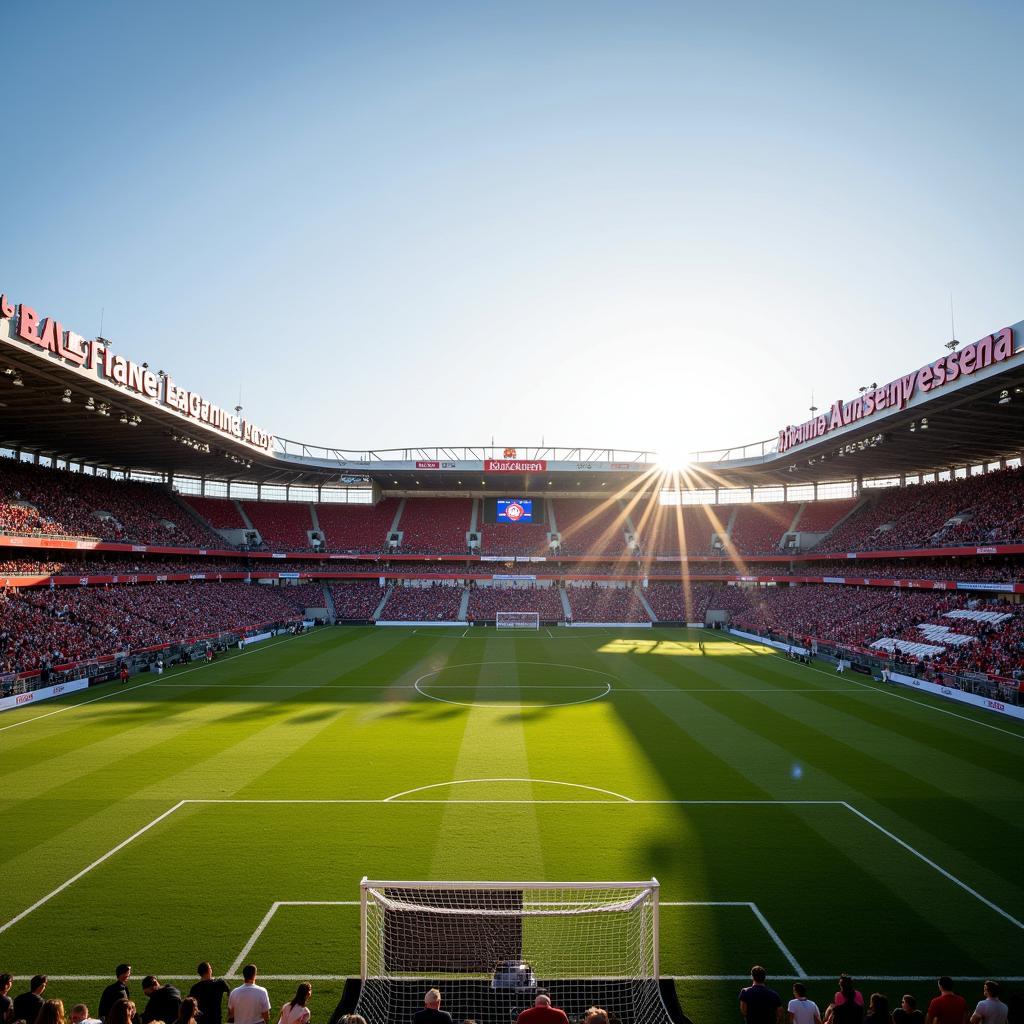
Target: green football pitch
[[811, 822]]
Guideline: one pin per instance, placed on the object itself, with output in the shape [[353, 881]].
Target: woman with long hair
[[122, 1012], [188, 1011], [51, 1013], [296, 1011]]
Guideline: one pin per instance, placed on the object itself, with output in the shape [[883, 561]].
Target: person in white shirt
[[249, 1003], [801, 1009], [297, 1011], [991, 1010], [80, 1015]]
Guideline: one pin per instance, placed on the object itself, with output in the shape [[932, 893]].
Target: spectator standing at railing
[[6, 981], [116, 990], [28, 1005], [209, 993]]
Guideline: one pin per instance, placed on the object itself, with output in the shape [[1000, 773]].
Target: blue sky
[[640, 225]]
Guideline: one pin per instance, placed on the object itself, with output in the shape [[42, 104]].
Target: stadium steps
[[464, 605], [315, 518], [244, 515], [835, 526], [566, 607], [329, 601], [796, 519], [549, 507], [647, 605], [191, 512], [379, 612]]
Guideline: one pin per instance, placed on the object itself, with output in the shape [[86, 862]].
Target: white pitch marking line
[[99, 860], [778, 941], [138, 686], [261, 927], [253, 938], [942, 871], [606, 803], [546, 782]]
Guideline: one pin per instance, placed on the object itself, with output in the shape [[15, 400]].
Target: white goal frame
[[632, 893], [517, 620]]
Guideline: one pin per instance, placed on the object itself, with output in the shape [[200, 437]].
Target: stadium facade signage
[[515, 466], [94, 356], [896, 395], [431, 464]]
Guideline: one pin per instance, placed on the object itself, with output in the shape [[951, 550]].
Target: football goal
[[517, 620], [490, 947]]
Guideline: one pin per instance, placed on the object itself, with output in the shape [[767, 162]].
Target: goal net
[[517, 620], [491, 947]]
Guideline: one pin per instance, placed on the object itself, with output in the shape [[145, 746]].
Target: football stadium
[[669, 736]]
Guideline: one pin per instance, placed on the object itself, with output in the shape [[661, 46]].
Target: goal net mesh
[[517, 620], [492, 949]]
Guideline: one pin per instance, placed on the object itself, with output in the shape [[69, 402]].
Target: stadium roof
[[77, 401]]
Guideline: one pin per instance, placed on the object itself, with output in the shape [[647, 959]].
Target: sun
[[673, 459]]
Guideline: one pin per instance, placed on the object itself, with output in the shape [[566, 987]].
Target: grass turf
[[855, 828]]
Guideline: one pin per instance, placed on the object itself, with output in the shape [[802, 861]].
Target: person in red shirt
[[948, 1007], [542, 1012]]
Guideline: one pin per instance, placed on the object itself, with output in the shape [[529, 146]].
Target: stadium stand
[[673, 602], [434, 603], [590, 527], [680, 529], [356, 599], [40, 500], [435, 526], [981, 509], [357, 529], [822, 516], [605, 604], [758, 529], [514, 539], [282, 525], [220, 513], [74, 624], [485, 602]]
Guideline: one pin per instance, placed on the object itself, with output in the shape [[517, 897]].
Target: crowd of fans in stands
[[899, 518], [486, 602], [40, 627], [41, 500], [356, 599]]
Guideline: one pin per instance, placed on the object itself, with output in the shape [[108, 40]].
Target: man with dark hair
[[908, 1013], [760, 1004], [164, 1001], [991, 1010], [249, 1003], [115, 990], [209, 993], [432, 1012], [28, 1004], [802, 1010], [6, 1003], [947, 1007]]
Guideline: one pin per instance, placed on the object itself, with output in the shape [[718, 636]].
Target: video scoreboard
[[513, 510]]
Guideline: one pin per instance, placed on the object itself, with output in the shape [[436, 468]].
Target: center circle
[[588, 691]]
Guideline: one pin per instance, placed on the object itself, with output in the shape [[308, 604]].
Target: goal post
[[517, 620], [490, 947]]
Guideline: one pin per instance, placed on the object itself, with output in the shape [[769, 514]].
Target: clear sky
[[650, 225]]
